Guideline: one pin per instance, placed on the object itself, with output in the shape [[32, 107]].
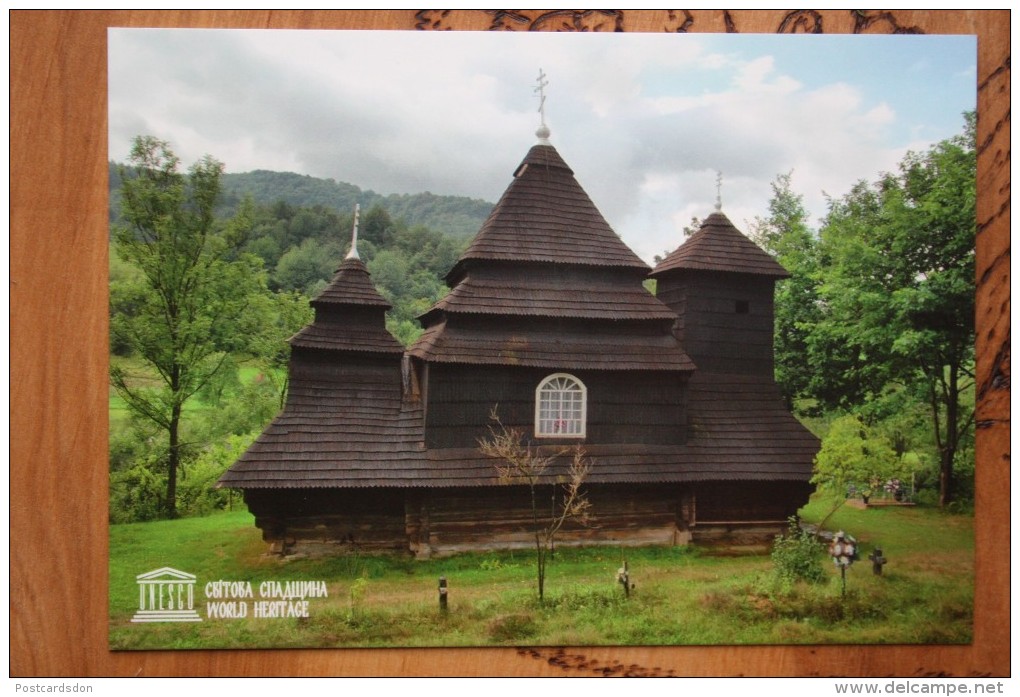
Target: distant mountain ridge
[[457, 216]]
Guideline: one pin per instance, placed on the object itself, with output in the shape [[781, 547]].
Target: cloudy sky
[[644, 120]]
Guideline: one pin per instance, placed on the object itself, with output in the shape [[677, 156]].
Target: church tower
[[549, 322], [721, 285]]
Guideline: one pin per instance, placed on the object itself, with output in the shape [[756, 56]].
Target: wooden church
[[547, 321]]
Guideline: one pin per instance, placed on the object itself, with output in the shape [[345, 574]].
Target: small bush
[[927, 497], [580, 598], [357, 593], [197, 494], [136, 494], [796, 556]]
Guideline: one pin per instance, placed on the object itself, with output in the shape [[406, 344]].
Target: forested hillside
[[456, 216]]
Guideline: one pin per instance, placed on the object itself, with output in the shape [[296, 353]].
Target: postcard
[[432, 339]]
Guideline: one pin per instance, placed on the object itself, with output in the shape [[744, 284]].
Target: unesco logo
[[166, 595]]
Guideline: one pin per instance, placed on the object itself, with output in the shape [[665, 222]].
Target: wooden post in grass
[[623, 578], [877, 561]]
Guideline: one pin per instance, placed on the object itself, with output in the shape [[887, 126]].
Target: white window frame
[[559, 417]]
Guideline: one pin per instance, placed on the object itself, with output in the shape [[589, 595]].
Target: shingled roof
[[719, 246], [546, 216], [604, 298], [351, 286], [338, 430], [546, 283], [748, 436], [349, 315], [545, 252], [442, 343], [345, 420]]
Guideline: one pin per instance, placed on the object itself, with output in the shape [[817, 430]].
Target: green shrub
[[579, 598], [927, 497], [136, 494], [196, 490], [853, 453], [796, 556], [357, 594]]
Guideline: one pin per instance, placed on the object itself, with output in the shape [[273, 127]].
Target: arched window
[[561, 406]]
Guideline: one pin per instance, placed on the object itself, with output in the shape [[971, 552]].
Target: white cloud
[[880, 115], [644, 120]]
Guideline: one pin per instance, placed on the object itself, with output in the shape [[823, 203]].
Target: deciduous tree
[[193, 294], [897, 300], [520, 463], [785, 234], [852, 454]]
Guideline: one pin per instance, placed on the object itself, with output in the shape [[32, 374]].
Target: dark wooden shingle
[[545, 216], [545, 252], [719, 246]]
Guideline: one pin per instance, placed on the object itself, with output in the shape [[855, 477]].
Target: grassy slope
[[683, 596], [144, 375]]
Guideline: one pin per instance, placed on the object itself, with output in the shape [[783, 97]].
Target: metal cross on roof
[[543, 130], [718, 190], [353, 254], [542, 83]]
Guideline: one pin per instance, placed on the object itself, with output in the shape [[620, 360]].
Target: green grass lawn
[[682, 595]]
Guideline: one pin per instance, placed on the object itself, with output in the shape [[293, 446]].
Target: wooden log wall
[[441, 522], [324, 381], [623, 406], [738, 536], [501, 518], [330, 521], [745, 513], [593, 330], [749, 501], [341, 367], [714, 331], [742, 500], [59, 392]]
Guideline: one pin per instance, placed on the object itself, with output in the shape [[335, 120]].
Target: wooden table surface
[[59, 382]]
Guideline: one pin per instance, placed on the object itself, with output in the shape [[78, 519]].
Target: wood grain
[[58, 310]]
